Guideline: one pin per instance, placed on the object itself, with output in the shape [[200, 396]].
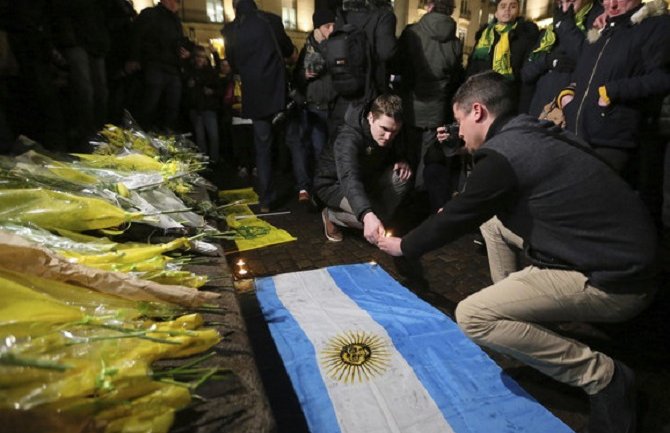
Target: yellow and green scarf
[[549, 37], [502, 56]]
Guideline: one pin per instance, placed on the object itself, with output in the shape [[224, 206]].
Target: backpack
[[347, 55]]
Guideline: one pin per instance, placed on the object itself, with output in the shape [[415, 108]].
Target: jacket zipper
[[588, 87]]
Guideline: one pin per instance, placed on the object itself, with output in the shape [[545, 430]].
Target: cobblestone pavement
[[453, 272]]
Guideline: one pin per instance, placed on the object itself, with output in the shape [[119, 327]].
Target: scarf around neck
[[502, 56], [549, 37]]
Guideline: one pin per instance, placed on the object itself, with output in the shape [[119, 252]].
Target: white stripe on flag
[[391, 401]]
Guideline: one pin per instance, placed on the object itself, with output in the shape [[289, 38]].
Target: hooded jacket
[[631, 59], [431, 58], [352, 161], [550, 188]]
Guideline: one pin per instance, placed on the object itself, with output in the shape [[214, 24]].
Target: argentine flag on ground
[[365, 355]]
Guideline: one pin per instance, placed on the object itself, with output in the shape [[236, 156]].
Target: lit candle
[[242, 272], [373, 263], [240, 262], [388, 233]]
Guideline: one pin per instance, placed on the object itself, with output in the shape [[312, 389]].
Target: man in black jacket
[[158, 49], [543, 190], [256, 44], [362, 176]]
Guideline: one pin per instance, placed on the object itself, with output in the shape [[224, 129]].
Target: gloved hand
[[560, 62], [562, 18]]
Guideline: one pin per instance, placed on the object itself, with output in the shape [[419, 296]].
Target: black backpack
[[348, 57]]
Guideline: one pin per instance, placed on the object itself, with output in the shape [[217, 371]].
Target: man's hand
[[390, 245], [132, 66], [183, 53], [565, 100], [442, 133], [373, 229], [403, 170], [600, 21]]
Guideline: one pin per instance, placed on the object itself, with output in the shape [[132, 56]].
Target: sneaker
[[613, 408], [331, 231], [303, 196]]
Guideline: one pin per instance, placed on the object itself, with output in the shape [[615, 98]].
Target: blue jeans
[[306, 151], [160, 84], [263, 144], [206, 129]]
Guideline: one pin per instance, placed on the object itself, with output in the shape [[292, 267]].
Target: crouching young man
[[587, 236], [362, 176]]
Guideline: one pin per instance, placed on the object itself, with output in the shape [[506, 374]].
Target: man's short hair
[[490, 89], [388, 105], [445, 7]]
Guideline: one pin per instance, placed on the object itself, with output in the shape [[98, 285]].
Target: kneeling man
[[362, 176], [587, 236]]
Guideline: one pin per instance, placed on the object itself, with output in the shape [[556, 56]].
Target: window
[[288, 14], [215, 11]]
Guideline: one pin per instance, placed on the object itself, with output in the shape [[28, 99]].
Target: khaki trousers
[[505, 316]]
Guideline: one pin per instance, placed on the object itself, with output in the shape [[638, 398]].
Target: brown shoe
[[331, 231]]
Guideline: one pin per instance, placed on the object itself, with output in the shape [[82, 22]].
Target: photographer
[[314, 88], [443, 165], [430, 65]]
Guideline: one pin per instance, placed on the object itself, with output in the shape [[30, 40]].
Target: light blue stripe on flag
[[298, 355], [468, 388]]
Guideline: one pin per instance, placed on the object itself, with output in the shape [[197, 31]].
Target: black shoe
[[613, 408]]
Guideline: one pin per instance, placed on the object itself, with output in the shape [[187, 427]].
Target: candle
[[240, 263], [242, 272]]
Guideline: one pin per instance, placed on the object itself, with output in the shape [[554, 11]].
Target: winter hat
[[322, 16]]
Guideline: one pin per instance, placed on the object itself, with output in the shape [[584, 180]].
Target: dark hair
[[445, 7], [490, 89], [387, 104]]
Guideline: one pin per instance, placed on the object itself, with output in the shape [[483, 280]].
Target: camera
[[454, 141], [295, 99]]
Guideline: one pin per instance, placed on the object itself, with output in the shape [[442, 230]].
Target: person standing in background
[[503, 45], [256, 47]]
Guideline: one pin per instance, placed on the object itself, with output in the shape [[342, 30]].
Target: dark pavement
[[451, 273]]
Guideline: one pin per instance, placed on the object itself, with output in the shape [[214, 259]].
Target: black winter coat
[[548, 80], [195, 82], [430, 57], [253, 53], [632, 61], [157, 37], [318, 92], [522, 40], [352, 161]]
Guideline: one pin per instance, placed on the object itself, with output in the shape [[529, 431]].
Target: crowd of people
[[550, 142]]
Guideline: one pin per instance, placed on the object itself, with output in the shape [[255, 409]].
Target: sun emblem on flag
[[355, 356]]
